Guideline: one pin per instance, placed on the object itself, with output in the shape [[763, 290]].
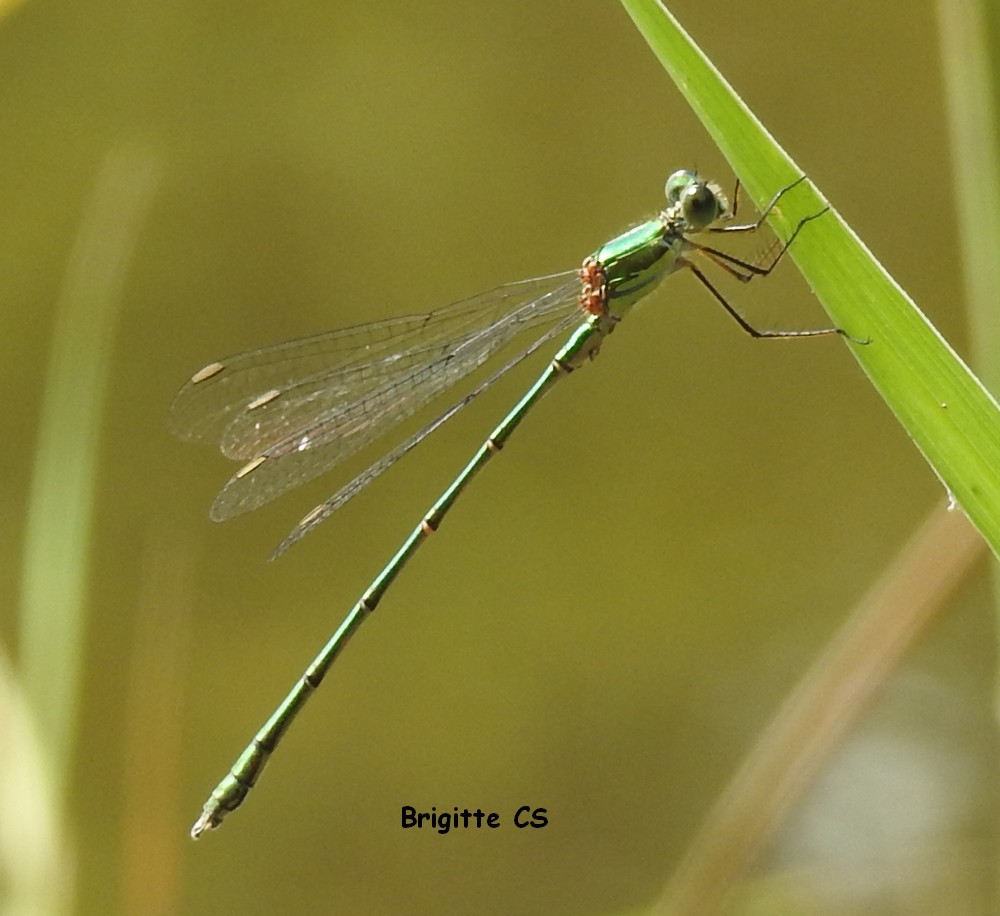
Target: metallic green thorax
[[631, 266], [636, 261]]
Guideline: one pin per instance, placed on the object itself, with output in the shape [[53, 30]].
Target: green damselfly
[[295, 410]]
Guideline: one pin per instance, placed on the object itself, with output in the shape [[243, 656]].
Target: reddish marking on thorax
[[593, 288]]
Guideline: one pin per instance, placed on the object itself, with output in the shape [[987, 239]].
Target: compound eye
[[700, 206], [678, 183]]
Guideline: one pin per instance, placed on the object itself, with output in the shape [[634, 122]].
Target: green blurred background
[[616, 608]]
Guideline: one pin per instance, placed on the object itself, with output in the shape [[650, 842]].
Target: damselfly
[[295, 410]]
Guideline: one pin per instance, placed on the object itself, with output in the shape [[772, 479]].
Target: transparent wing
[[219, 394], [325, 509], [298, 409]]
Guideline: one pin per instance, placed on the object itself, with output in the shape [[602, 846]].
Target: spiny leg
[[764, 214], [745, 271], [735, 199], [755, 332], [729, 263]]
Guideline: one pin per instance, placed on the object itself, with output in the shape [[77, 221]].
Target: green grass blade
[[57, 553], [943, 407], [968, 57]]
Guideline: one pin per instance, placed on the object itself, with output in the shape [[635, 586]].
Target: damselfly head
[[698, 203]]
